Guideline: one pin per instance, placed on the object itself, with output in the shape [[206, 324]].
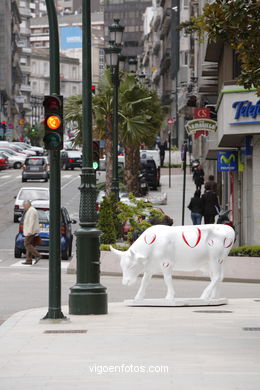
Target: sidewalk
[[151, 348]]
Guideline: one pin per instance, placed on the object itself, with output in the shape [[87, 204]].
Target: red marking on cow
[[166, 265], [226, 244], [198, 239], [151, 239], [210, 242]]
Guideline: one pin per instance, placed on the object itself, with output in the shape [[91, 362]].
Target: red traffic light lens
[[53, 122], [52, 103]]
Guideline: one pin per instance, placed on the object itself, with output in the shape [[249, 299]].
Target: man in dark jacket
[[211, 183], [210, 205]]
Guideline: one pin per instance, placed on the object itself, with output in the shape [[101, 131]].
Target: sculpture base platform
[[178, 302]]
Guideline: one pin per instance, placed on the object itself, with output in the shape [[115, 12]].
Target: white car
[[39, 151], [19, 156], [41, 194], [15, 148], [15, 161]]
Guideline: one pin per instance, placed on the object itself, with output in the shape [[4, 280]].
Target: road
[[23, 287]]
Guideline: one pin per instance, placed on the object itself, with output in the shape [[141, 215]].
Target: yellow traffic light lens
[[54, 122]]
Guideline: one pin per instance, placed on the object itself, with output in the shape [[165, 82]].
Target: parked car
[[21, 156], [30, 193], [4, 163], [35, 168], [148, 168], [66, 237], [71, 159], [14, 160], [11, 146], [37, 149]]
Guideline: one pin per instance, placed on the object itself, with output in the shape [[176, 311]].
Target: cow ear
[[137, 256], [115, 251]]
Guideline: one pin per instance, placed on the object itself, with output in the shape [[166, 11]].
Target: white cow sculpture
[[180, 248]]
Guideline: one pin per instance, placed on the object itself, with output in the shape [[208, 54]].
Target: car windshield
[[34, 161], [43, 215], [9, 151], [34, 194]]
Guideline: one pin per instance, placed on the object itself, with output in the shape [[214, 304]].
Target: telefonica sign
[[200, 125], [246, 109]]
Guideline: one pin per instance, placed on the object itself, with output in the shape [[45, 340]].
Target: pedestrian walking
[[212, 183], [196, 208], [162, 148], [198, 176], [210, 205], [30, 228]]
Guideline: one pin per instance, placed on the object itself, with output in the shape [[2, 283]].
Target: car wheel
[[70, 250], [24, 180], [18, 253], [17, 165], [65, 254], [46, 179], [72, 168]]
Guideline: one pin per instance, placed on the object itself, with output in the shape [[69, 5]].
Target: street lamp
[[112, 58], [87, 296]]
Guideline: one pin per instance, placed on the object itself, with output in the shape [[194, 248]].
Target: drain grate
[[213, 311], [252, 329], [65, 331]]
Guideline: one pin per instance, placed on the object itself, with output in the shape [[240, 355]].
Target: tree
[[235, 22], [140, 119], [106, 222]]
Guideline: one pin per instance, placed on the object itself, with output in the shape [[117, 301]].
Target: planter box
[[244, 269]]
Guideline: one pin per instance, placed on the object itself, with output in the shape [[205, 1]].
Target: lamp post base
[[88, 296], [88, 299]]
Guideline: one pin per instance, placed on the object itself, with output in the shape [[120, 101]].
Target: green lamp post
[[87, 296], [112, 58]]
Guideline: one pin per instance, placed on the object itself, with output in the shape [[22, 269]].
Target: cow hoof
[[169, 297], [139, 298]]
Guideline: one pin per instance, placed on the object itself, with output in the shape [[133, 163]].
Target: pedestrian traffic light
[[93, 89], [53, 122], [95, 153]]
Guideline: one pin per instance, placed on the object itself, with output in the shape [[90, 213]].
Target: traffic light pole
[[115, 180], [54, 310], [87, 296]]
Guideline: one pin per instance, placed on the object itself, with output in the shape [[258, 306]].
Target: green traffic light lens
[[95, 165], [52, 141]]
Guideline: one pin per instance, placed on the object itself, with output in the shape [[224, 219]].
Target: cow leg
[[216, 276], [144, 283], [167, 275]]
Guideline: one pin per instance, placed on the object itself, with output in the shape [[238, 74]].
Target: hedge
[[247, 250]]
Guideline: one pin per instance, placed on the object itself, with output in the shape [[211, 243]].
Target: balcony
[[156, 47], [25, 31], [26, 88], [165, 62], [25, 68], [166, 21], [25, 12]]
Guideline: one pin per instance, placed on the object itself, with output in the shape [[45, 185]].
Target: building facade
[[130, 14]]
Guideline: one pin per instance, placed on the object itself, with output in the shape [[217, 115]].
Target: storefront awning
[[213, 153]]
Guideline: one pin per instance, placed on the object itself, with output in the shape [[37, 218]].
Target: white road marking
[[5, 176], [66, 176], [71, 181], [19, 264], [64, 264], [19, 177]]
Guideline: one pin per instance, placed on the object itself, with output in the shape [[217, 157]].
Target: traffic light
[[93, 89], [95, 153], [53, 122]]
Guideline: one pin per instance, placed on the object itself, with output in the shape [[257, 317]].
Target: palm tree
[[140, 117]]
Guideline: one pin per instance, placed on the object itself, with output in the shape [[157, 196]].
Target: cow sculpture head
[[131, 263]]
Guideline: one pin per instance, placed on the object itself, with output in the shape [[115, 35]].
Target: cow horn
[[115, 251]]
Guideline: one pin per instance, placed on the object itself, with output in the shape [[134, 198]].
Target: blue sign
[[70, 37], [246, 109], [227, 161]]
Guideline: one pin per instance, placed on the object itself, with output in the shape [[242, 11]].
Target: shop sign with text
[[200, 125]]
